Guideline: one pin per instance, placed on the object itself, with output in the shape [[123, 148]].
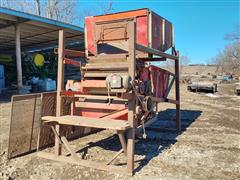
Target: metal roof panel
[[36, 18]]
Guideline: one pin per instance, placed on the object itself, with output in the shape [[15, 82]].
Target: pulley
[[147, 104]]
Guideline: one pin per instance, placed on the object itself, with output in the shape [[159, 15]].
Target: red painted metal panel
[[97, 113], [121, 115], [142, 30], [71, 61], [122, 15], [159, 80], [168, 35], [89, 22], [142, 24], [144, 74], [156, 31], [100, 113]]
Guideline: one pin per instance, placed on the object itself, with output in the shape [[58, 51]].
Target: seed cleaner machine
[[119, 89]]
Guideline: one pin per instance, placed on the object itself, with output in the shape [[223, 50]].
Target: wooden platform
[[102, 123]]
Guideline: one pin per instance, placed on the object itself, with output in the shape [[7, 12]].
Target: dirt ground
[[208, 147]]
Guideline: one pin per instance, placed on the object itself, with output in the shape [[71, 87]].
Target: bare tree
[[4, 3], [22, 5], [38, 7], [183, 62], [106, 7], [235, 35], [62, 10], [228, 60]]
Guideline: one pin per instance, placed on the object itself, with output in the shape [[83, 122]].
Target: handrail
[[155, 52]]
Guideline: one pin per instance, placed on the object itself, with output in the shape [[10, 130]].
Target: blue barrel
[[2, 79]]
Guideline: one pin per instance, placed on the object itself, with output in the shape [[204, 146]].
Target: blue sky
[[200, 26]]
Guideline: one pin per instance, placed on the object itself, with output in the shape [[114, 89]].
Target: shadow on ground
[[5, 97], [157, 140]]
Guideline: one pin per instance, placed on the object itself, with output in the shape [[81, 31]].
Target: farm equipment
[[202, 87], [119, 88]]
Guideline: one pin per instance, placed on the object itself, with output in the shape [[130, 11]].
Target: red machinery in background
[[119, 88]]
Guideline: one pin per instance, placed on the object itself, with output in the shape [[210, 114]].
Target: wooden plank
[[86, 163], [119, 90], [104, 61], [71, 62], [123, 142], [108, 57], [34, 109], [60, 85], [131, 102], [65, 142], [101, 74], [148, 123], [149, 59], [156, 99], [25, 97], [18, 56], [155, 52], [60, 75], [177, 94], [103, 123], [172, 101], [104, 106], [115, 156], [170, 86], [98, 97], [56, 134], [93, 83], [117, 114], [72, 53], [108, 66]]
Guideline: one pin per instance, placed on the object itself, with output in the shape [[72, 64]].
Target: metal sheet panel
[[159, 80], [168, 35], [142, 30], [157, 33], [162, 38], [25, 124], [18, 14], [36, 32]]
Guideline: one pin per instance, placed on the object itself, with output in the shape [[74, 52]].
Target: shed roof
[[36, 31]]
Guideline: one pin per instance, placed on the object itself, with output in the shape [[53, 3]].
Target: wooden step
[[102, 123], [106, 66], [103, 73]]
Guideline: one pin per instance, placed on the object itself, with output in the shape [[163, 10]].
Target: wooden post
[[177, 93], [60, 86], [131, 102], [122, 141], [18, 56]]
